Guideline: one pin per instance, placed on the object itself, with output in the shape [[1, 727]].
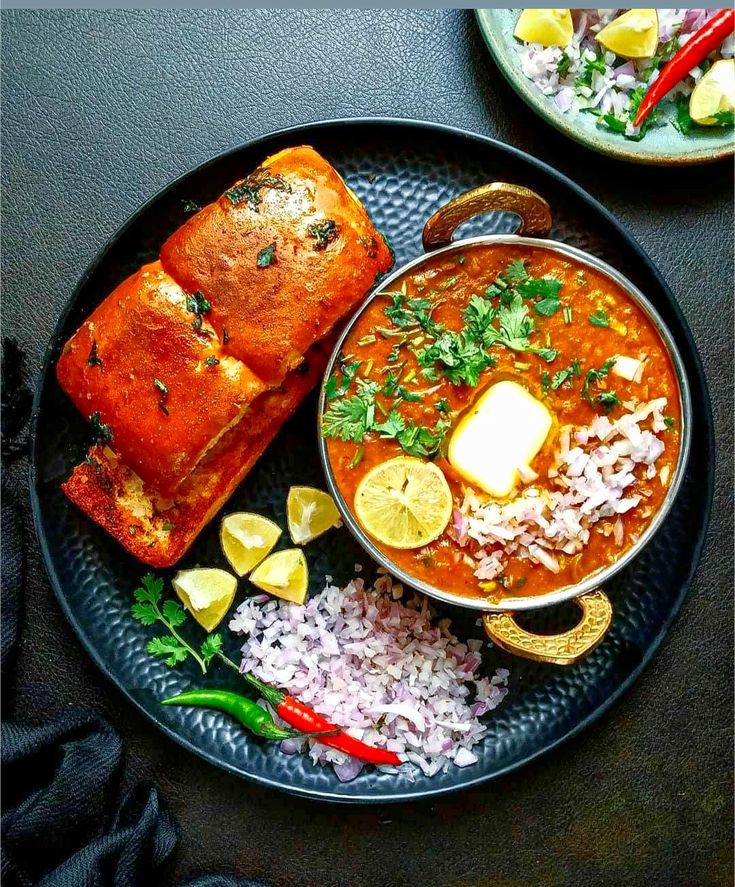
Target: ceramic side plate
[[664, 146]]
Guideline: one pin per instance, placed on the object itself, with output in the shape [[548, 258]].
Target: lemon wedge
[[714, 94], [634, 34], [404, 502], [207, 593], [310, 513], [246, 539], [549, 27], [284, 574]]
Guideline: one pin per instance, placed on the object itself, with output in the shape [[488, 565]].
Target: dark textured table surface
[[100, 109]]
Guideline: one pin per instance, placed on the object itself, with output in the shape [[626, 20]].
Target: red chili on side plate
[[707, 38]]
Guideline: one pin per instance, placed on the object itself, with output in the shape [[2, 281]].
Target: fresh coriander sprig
[[172, 648]]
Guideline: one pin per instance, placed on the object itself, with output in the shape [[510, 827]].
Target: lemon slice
[[714, 94], [310, 513], [246, 539], [284, 574], [404, 502], [634, 34], [549, 27], [206, 593]]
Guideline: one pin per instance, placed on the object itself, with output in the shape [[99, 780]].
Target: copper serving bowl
[[498, 618]]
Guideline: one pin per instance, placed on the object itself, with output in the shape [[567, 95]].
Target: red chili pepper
[[306, 719], [695, 50]]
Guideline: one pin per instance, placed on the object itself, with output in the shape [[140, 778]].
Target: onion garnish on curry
[[541, 392]]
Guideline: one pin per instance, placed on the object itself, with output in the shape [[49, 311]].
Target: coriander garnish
[[564, 376], [199, 305], [172, 648], [159, 385], [267, 256], [101, 430], [212, 361], [594, 377], [338, 388], [323, 233], [599, 318], [350, 418], [608, 400], [249, 189], [94, 360]]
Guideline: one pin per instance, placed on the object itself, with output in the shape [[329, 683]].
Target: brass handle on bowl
[[561, 649], [534, 211]]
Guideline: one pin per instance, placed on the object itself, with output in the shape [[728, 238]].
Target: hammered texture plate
[[403, 171]]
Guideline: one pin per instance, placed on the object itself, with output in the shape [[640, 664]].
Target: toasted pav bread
[[156, 374], [281, 257], [157, 530], [190, 366]]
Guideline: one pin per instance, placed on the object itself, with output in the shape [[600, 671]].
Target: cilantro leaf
[[669, 423], [456, 356], [599, 318], [392, 426], [174, 613], [323, 233], [608, 400], [547, 287], [101, 431], [724, 118], [418, 440], [335, 388], [211, 647], [403, 312], [515, 324], [547, 307], [547, 354], [516, 272], [352, 417], [478, 315], [150, 589], [267, 256], [442, 406], [249, 189], [145, 613], [593, 377], [168, 648]]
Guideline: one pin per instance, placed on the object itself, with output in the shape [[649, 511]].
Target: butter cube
[[504, 429]]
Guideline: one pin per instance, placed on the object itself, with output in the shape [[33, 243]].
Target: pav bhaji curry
[[503, 421]]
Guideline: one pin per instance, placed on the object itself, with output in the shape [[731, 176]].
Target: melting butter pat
[[504, 430]]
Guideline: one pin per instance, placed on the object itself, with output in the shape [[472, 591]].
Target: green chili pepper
[[249, 713]]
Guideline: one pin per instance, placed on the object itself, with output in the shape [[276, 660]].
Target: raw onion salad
[[585, 77], [387, 671]]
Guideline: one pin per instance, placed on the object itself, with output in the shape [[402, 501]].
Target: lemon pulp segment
[[246, 539], [549, 27], [207, 593], [283, 574], [634, 34], [310, 513], [714, 93]]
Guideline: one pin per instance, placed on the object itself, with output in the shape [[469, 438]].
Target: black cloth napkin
[[66, 821]]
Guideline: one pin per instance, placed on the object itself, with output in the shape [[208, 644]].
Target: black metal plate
[[416, 167]]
